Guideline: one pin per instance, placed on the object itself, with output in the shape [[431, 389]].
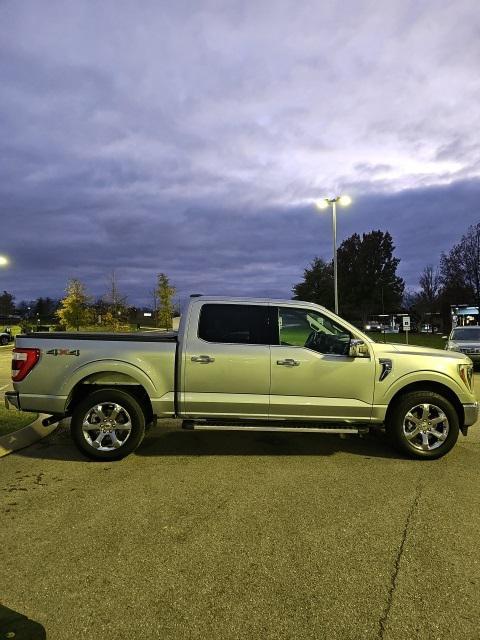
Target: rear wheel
[[3, 340], [108, 424], [423, 424]]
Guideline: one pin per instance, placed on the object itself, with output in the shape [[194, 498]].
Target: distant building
[[145, 318], [463, 315], [10, 320]]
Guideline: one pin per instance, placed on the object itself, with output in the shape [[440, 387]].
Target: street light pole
[[324, 204], [335, 272]]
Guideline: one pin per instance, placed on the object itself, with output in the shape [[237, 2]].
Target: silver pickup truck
[[245, 364]]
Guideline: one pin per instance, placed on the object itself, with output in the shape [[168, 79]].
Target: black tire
[[415, 420], [4, 340], [123, 424]]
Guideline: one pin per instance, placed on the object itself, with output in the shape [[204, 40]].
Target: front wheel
[[423, 424], [108, 424]]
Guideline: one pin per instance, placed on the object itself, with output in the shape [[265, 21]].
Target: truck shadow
[[168, 441], [235, 443], [16, 625]]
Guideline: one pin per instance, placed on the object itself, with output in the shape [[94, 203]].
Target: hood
[[410, 349], [467, 344]]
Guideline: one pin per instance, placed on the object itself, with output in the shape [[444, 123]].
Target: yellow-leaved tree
[[74, 309]]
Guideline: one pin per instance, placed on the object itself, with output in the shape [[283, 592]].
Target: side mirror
[[357, 349]]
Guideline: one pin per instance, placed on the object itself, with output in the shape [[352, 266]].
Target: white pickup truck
[[245, 364]]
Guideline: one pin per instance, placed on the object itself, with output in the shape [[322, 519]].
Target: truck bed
[[68, 360]]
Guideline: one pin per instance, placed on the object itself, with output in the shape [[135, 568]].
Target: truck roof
[[279, 301]]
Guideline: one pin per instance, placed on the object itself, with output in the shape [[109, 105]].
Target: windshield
[[466, 334]]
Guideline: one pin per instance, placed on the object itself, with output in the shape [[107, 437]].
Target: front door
[[313, 377], [227, 363]]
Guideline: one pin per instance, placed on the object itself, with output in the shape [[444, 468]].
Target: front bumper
[[471, 413], [11, 398]]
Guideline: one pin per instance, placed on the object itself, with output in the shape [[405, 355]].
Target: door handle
[[289, 362], [202, 359]]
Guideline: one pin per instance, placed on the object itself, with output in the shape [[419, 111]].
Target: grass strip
[[13, 420], [419, 339]]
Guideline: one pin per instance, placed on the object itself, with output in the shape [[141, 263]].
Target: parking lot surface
[[5, 364], [232, 535]]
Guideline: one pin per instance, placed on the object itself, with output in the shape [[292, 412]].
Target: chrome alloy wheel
[[107, 426], [426, 427]]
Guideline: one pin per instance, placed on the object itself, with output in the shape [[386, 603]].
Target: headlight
[[452, 346], [466, 374]]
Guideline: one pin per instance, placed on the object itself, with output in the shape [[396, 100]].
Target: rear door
[[313, 377], [226, 366]]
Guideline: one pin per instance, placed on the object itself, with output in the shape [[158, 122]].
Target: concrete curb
[[26, 436]]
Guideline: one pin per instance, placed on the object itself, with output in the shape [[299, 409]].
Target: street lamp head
[[344, 201], [322, 204], [3, 261]]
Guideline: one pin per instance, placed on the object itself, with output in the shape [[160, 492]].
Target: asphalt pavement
[[231, 535], [5, 366]]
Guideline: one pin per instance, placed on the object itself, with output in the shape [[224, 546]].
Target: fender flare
[[104, 367], [423, 376]]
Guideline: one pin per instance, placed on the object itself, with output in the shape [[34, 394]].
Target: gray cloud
[[167, 137]]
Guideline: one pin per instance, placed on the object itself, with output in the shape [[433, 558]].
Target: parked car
[[427, 328], [466, 340], [373, 325], [5, 336], [246, 365]]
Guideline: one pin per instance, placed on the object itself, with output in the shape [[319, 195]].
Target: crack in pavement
[[396, 568]]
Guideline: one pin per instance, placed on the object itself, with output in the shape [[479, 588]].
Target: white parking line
[[4, 387]]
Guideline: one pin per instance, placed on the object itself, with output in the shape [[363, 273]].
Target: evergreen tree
[[317, 285], [44, 308], [7, 304], [367, 279]]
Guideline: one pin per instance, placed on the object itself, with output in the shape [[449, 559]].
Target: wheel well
[[82, 390], [436, 387]]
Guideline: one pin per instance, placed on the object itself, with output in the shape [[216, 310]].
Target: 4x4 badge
[[63, 352]]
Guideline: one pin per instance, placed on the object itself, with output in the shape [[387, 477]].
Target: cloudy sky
[[191, 137]]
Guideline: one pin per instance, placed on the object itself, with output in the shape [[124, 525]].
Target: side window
[[234, 323], [310, 329]]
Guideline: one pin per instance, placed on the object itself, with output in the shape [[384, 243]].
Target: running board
[[218, 427]]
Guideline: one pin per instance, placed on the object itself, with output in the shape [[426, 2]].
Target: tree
[[429, 282], [44, 309], [317, 285], [470, 244], [24, 308], [454, 285], [427, 300], [116, 306], [7, 305], [367, 279], [425, 303], [154, 296], [74, 310], [467, 256], [165, 293], [460, 273]]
